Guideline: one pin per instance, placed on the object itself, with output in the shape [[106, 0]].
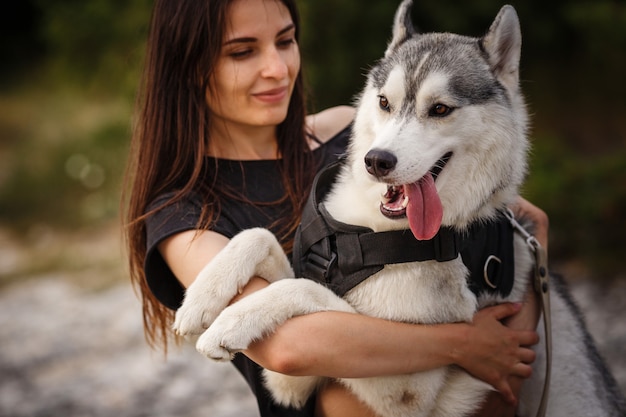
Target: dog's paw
[[194, 317], [227, 335], [213, 349], [216, 346]]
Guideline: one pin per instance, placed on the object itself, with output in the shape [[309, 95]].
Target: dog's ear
[[503, 44], [403, 28]]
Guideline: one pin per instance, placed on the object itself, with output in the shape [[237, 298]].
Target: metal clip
[[531, 240]]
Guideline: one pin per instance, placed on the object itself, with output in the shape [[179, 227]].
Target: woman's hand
[[498, 403], [494, 352]]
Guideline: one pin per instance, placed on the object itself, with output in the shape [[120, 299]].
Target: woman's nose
[[274, 64]]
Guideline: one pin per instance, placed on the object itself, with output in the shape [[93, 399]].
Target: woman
[[221, 144]]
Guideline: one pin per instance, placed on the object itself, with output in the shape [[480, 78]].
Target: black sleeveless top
[[258, 181]]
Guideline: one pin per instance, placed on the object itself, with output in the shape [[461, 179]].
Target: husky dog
[[441, 125]]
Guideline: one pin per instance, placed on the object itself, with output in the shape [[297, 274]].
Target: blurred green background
[[69, 70]]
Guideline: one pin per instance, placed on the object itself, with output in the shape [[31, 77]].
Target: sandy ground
[[75, 350], [67, 352]]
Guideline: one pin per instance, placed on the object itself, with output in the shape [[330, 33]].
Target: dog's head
[[441, 124]]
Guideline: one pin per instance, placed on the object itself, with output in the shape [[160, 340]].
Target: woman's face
[[258, 65]]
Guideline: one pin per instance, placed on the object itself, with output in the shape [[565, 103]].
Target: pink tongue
[[424, 210]]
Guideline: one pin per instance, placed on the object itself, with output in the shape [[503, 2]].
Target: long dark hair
[[170, 138]]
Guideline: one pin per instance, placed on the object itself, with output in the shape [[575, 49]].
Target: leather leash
[[542, 287]]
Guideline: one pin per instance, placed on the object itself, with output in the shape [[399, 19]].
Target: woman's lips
[[272, 96]]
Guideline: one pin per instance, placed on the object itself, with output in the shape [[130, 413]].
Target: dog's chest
[[417, 292]]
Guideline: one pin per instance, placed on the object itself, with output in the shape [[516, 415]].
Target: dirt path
[[69, 351]]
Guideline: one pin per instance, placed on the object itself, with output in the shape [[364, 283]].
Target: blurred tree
[[573, 66], [20, 45], [97, 41], [340, 42]]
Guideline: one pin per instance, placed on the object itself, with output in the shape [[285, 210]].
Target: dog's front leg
[[260, 313], [291, 391], [253, 252]]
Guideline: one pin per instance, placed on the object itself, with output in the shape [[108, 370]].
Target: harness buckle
[[320, 266]]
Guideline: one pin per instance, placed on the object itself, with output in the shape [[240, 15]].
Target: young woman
[[221, 144]]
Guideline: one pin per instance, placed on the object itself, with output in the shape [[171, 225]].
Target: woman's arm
[[327, 123], [367, 346], [350, 345], [353, 346]]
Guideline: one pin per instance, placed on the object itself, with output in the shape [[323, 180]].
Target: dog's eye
[[384, 103], [440, 110]]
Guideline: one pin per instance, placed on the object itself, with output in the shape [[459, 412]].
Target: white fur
[[210, 293]]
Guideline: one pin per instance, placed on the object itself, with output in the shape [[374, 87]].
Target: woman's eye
[[286, 42], [384, 103], [240, 54], [440, 110]]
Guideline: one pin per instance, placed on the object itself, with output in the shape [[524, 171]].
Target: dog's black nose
[[379, 163]]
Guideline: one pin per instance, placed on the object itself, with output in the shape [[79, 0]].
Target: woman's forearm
[[337, 344], [352, 346]]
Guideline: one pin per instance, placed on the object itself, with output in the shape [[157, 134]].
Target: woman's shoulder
[[328, 123]]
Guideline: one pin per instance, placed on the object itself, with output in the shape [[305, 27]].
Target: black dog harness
[[341, 256]]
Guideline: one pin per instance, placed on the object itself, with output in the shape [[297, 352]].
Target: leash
[[542, 287]]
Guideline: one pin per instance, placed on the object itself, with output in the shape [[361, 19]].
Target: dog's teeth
[[405, 202], [384, 199]]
